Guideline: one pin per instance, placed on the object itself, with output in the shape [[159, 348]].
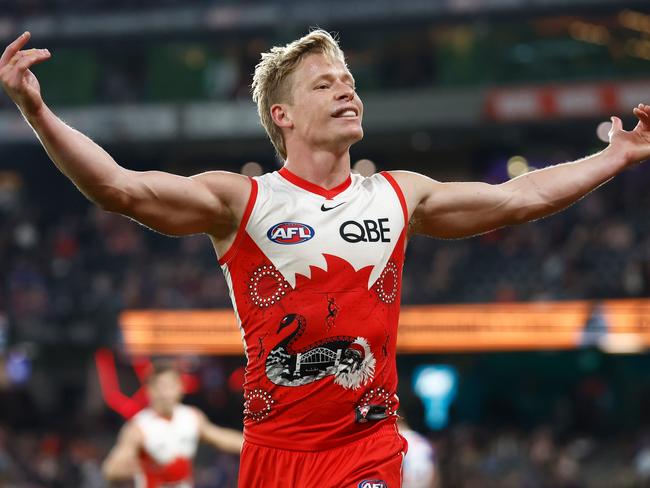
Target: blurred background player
[[419, 468], [157, 446]]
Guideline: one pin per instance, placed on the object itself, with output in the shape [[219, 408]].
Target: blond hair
[[271, 81]]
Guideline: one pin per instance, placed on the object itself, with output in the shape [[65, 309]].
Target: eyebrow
[[330, 76]]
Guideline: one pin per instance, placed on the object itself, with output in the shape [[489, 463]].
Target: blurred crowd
[[60, 442], [539, 49], [473, 457], [464, 456], [42, 459], [41, 7]]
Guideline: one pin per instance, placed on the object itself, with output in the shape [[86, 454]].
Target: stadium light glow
[[517, 166]]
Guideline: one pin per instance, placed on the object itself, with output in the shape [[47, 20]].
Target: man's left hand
[[634, 144]]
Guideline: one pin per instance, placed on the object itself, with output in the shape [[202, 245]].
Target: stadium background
[[455, 89]]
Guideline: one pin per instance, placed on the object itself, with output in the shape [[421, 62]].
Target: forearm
[[119, 468], [232, 441], [89, 167], [227, 440], [546, 191]]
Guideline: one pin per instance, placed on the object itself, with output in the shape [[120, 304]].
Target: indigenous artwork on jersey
[[349, 359]]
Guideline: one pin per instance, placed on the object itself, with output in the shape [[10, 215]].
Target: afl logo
[[372, 484], [290, 233]]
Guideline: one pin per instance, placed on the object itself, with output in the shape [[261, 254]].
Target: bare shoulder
[[230, 187], [232, 191], [410, 178], [130, 434], [198, 412], [415, 186]]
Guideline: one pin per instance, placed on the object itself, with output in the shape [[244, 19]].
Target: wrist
[[35, 116], [619, 156]]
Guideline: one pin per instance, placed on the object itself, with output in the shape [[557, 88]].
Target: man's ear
[[280, 116]]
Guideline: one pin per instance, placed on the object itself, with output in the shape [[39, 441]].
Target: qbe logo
[[290, 233], [373, 484], [368, 231]]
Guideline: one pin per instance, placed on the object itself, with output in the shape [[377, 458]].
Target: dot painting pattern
[[258, 404], [275, 286], [379, 396], [387, 284]]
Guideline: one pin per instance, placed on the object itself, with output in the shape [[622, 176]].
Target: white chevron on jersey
[[366, 199]]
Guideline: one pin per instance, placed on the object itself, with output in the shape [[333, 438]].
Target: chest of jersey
[[297, 229], [166, 440], [315, 278]]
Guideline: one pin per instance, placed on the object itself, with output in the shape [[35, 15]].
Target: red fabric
[[375, 459], [400, 195], [334, 303], [242, 225], [109, 383], [313, 188], [180, 469]]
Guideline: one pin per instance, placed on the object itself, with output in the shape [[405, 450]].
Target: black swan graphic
[[349, 359]]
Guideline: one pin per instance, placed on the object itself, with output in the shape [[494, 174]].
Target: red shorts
[[365, 463]]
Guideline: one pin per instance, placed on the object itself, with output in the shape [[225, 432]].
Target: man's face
[[165, 391], [325, 111]]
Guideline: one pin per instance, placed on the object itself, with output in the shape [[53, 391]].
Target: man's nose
[[345, 92]]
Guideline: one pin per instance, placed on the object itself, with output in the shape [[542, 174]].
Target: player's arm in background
[[210, 203], [224, 439], [455, 210], [122, 462]]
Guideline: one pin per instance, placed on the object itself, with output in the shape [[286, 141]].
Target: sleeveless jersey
[[169, 447], [315, 280]]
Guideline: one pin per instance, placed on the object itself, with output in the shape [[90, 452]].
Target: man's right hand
[[17, 80]]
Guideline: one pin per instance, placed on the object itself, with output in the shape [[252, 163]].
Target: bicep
[[462, 209], [180, 205]]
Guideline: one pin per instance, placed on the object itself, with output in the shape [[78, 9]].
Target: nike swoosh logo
[[325, 209]]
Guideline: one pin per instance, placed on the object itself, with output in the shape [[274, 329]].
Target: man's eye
[[321, 87]]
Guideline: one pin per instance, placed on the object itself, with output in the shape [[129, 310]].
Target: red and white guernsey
[[169, 447], [315, 280]]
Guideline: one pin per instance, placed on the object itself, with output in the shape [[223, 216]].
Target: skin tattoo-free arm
[[211, 202], [455, 210], [122, 462]]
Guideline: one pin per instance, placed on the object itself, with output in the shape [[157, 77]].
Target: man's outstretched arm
[[122, 462], [455, 210], [224, 439], [210, 202]]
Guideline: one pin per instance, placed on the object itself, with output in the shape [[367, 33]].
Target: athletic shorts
[[372, 462]]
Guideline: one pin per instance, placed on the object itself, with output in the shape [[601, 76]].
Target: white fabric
[[168, 439], [279, 200], [419, 465]]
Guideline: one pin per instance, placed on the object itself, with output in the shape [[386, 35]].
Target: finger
[[11, 50], [617, 125], [642, 115], [32, 57], [12, 74], [644, 119]]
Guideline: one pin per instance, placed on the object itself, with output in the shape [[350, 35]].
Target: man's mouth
[[346, 112]]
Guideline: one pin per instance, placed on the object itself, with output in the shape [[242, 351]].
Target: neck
[[163, 412], [324, 168]]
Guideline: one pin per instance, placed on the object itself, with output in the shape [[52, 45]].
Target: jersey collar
[[313, 188]]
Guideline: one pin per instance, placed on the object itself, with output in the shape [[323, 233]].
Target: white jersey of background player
[[157, 446], [419, 468]]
